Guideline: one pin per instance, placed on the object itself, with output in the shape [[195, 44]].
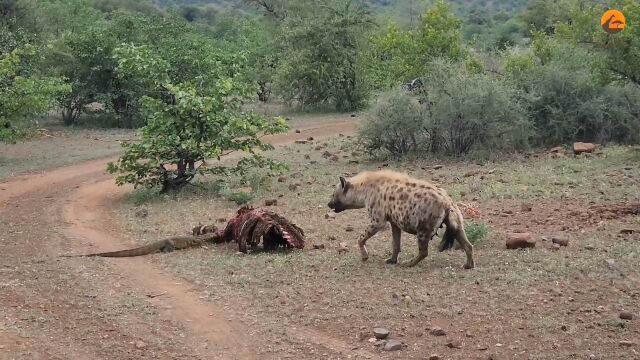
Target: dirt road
[[53, 308]]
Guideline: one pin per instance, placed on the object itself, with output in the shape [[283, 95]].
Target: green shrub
[[238, 197], [395, 125], [568, 101], [476, 232], [471, 111]]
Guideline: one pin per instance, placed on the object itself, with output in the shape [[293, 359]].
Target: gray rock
[[625, 315], [380, 333], [393, 345]]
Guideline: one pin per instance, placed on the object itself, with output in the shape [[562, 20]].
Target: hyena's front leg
[[369, 232]]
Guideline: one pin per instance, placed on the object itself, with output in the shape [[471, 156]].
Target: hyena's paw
[[469, 266], [391, 261]]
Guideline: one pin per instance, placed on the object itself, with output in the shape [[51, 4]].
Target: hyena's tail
[[453, 222]]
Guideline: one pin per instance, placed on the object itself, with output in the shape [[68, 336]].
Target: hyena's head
[[344, 197]]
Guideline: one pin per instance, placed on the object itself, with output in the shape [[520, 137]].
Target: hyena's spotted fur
[[411, 205]]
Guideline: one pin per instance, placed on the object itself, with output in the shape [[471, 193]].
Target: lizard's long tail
[[139, 251]]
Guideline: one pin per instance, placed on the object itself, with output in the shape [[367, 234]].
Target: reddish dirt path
[[54, 308]]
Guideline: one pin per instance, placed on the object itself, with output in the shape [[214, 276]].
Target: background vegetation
[[496, 75]]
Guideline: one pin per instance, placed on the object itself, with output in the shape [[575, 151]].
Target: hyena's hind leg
[[396, 233], [455, 234], [423, 247]]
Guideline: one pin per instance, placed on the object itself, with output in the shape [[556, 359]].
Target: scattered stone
[[310, 138], [393, 345], [557, 149], [589, 247], [526, 207], [380, 333], [580, 148], [611, 264], [330, 215], [361, 335], [349, 228], [240, 253], [380, 343], [354, 162], [454, 344], [627, 231], [482, 347], [293, 187], [318, 246], [626, 315], [520, 241], [271, 202], [140, 345], [343, 248], [471, 173], [334, 158], [326, 154], [564, 328], [435, 357], [298, 131], [437, 331], [142, 213], [627, 343], [221, 220], [301, 142], [332, 238], [307, 156], [282, 179], [437, 167], [372, 340], [353, 115], [560, 241]]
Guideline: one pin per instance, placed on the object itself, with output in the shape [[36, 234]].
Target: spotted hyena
[[411, 205]]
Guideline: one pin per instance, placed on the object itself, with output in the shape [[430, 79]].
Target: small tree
[[24, 93], [319, 63], [187, 125], [395, 56]]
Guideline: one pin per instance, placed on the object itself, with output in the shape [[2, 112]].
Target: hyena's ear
[[344, 184]]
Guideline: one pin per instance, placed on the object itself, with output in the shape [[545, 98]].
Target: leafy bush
[[476, 232], [473, 111], [396, 125], [568, 100], [462, 110], [238, 197], [24, 93]]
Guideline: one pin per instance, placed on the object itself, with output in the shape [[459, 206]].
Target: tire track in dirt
[[88, 214]]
